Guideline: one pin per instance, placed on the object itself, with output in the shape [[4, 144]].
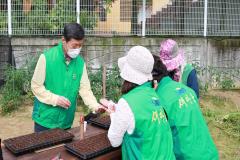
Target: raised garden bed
[[31, 142]]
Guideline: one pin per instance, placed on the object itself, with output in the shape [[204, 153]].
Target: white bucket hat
[[137, 65]]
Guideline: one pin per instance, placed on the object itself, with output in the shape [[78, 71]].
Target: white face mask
[[73, 53]]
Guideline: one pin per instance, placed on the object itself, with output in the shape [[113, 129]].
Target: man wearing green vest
[[191, 137], [138, 120], [60, 75]]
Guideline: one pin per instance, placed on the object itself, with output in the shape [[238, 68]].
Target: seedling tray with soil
[[102, 121], [35, 141], [90, 147]]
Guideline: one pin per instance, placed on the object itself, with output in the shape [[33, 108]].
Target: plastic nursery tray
[[31, 142], [90, 147], [103, 121]]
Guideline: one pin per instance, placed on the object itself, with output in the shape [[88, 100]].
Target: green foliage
[[95, 77], [42, 19], [226, 83], [17, 84], [113, 83], [3, 20], [222, 113], [63, 12], [88, 19], [38, 18], [12, 89], [218, 77], [234, 119], [231, 124]]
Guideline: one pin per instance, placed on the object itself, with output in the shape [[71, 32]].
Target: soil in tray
[[31, 142], [101, 121], [90, 147]]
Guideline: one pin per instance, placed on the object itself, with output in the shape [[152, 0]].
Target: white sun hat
[[137, 65]]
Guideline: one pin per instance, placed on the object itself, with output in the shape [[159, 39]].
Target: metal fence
[[121, 17]]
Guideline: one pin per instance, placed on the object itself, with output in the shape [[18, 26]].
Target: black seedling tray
[[101, 121], [90, 147], [31, 142]]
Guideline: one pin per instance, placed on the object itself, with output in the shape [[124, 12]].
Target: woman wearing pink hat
[[173, 58]]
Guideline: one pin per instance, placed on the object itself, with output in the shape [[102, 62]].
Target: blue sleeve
[[192, 82]]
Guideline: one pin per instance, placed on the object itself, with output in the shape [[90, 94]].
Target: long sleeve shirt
[[122, 121], [46, 96]]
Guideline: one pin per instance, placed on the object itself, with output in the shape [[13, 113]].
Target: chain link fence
[[3, 18], [121, 17]]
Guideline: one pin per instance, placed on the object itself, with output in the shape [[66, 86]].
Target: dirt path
[[20, 123]]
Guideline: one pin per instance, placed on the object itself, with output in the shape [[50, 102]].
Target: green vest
[[63, 80], [191, 137], [186, 71], [151, 139]]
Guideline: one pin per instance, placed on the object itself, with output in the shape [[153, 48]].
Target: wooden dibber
[[81, 123]]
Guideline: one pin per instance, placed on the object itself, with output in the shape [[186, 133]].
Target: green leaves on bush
[[17, 84]]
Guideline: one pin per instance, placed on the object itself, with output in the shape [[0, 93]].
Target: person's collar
[[164, 80]]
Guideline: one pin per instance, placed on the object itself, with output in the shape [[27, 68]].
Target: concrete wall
[[97, 51], [217, 53], [106, 50], [4, 55]]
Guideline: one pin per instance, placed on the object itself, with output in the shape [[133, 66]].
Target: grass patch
[[223, 119]]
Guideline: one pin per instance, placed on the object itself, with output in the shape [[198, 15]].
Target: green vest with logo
[[191, 137], [63, 80], [186, 71], [151, 138]]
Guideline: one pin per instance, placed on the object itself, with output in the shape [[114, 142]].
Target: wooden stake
[[81, 124], [104, 76]]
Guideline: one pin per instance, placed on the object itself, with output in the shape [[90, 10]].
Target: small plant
[[226, 83], [113, 84], [17, 85], [12, 89], [231, 122], [95, 77]]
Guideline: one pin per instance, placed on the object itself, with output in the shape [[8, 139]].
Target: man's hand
[[63, 102]]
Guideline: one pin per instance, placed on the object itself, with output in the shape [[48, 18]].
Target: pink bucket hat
[[171, 55]]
